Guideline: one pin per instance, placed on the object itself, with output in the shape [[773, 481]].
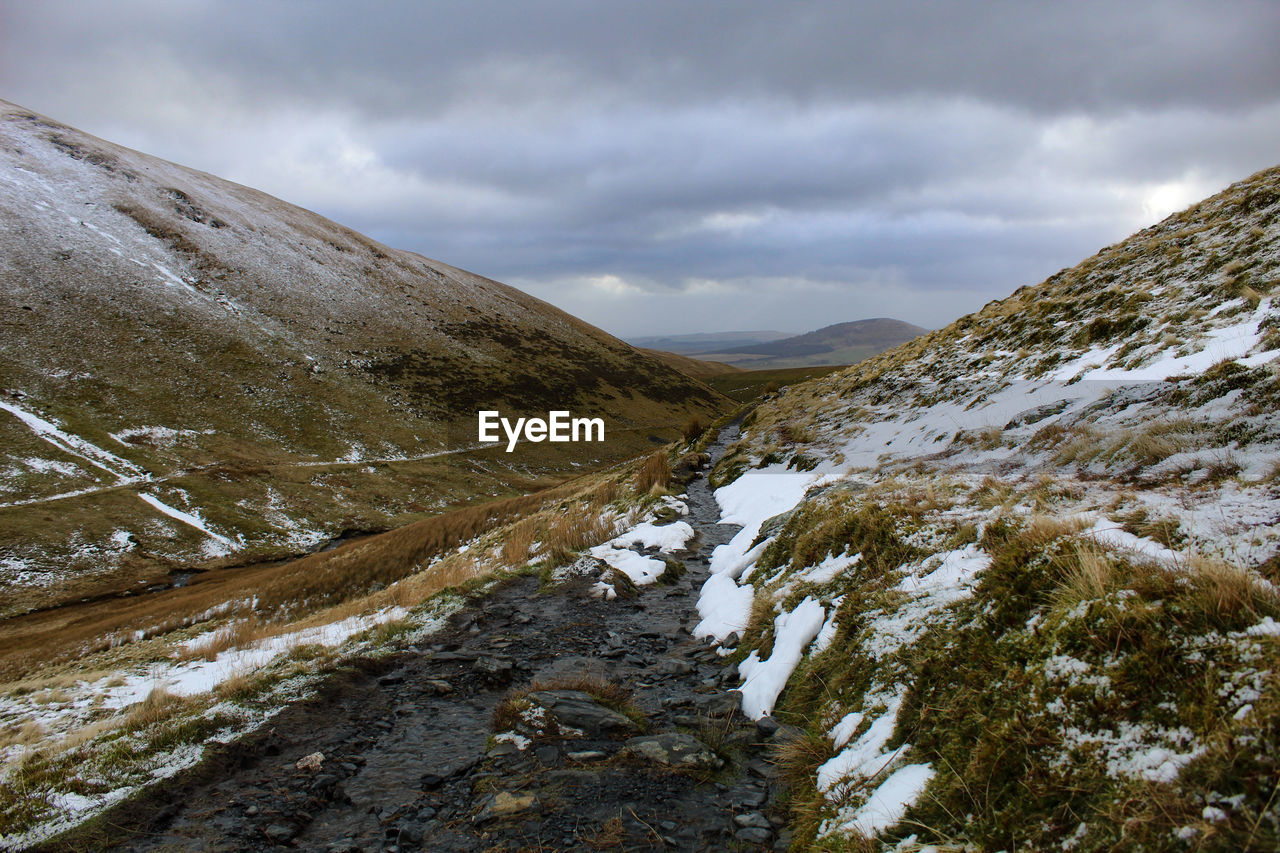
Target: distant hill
[[841, 343], [695, 367], [702, 342]]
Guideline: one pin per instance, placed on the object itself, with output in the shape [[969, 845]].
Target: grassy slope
[[747, 385], [1074, 692], [695, 367], [225, 342]]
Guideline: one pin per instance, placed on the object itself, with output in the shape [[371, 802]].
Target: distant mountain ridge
[[701, 342], [840, 343], [881, 333]]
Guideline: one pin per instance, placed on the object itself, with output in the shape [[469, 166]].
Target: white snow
[[641, 569], [955, 571], [122, 469], [763, 680], [193, 677], [665, 537], [890, 801], [1222, 344], [723, 604], [865, 757], [829, 569], [1268, 627], [190, 519], [842, 731], [1111, 534]]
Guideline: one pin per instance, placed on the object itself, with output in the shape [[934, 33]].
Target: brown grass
[[610, 836], [1087, 574], [28, 734], [159, 705], [1227, 590], [655, 472], [234, 635], [694, 428], [295, 589], [519, 541], [506, 714]]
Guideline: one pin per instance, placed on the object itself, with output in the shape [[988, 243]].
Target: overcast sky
[[677, 166]]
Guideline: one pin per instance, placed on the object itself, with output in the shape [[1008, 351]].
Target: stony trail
[[410, 761]]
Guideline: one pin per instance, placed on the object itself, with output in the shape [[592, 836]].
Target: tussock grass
[[693, 429], [159, 705], [654, 473], [1086, 574]]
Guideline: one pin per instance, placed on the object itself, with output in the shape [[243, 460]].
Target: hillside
[[841, 343], [1015, 580], [695, 367], [195, 373]]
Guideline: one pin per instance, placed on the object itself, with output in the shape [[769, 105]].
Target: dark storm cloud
[[630, 161]]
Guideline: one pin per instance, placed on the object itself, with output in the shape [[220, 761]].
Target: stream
[[410, 761]]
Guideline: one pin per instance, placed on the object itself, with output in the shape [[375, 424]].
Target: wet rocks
[[494, 669], [505, 804], [719, 704], [280, 833], [675, 750], [575, 709]]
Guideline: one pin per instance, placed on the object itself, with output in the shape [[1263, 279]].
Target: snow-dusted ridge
[[970, 513]]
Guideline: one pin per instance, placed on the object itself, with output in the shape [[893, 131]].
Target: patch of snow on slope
[[190, 519], [122, 469], [1112, 535], [1228, 343], [890, 800], [641, 569], [723, 604], [866, 756], [763, 680]]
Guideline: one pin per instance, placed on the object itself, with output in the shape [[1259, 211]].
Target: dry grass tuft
[[1230, 592], [694, 428], [1087, 574], [608, 693], [159, 705], [655, 472], [234, 635], [519, 541], [28, 734], [610, 836]]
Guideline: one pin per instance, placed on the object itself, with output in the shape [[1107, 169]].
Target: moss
[[840, 525]]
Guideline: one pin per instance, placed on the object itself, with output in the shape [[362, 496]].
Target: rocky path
[[411, 761]]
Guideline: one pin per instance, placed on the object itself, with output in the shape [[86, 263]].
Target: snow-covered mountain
[[1016, 579], [191, 369]]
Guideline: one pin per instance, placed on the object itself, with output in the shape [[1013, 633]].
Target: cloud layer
[[669, 167]]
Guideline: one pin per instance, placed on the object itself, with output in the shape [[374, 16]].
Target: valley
[[1008, 584]]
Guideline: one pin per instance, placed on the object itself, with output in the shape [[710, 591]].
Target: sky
[[673, 167]]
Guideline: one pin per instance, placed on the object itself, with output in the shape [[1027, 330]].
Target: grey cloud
[[916, 158], [390, 56]]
